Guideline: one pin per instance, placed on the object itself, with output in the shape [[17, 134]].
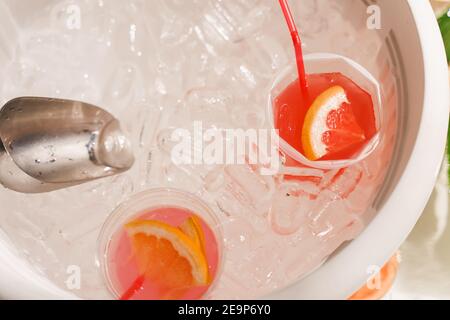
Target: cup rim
[[285, 147], [119, 216]]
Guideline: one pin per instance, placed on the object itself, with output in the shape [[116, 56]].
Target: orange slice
[[192, 227], [330, 125], [167, 256]]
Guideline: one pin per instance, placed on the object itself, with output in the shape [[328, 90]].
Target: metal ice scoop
[[48, 144]]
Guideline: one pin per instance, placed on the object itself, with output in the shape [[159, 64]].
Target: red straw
[[134, 288], [297, 44]]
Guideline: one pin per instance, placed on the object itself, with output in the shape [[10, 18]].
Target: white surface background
[[424, 271]]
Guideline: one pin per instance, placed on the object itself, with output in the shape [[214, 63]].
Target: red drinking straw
[[134, 288], [297, 44]]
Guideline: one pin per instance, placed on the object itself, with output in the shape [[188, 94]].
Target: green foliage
[[444, 25]]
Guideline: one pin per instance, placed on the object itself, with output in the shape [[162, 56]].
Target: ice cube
[[256, 190], [290, 208], [120, 89], [344, 181], [8, 34], [265, 55], [232, 20]]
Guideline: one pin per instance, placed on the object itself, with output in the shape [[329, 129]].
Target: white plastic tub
[[412, 57]]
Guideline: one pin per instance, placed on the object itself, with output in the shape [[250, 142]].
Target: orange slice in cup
[[168, 256], [330, 125], [192, 227]]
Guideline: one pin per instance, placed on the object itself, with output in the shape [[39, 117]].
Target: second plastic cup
[[169, 210]]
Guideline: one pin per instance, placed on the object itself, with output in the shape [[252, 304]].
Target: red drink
[[323, 116], [291, 107], [124, 264]]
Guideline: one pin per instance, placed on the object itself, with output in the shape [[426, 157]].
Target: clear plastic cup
[[326, 63], [149, 201]]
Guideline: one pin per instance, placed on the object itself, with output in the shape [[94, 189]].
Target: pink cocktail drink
[[160, 252], [123, 263], [322, 116]]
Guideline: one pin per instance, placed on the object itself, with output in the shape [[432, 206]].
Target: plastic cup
[[164, 201], [326, 63]]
